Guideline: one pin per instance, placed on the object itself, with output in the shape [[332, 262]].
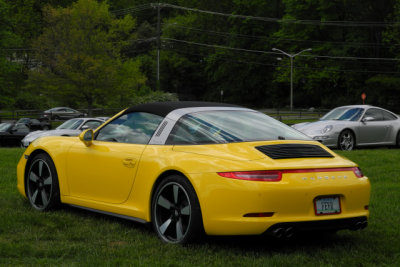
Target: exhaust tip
[[278, 232], [289, 232]]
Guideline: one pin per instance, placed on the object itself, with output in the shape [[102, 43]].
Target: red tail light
[[271, 176], [357, 171], [276, 175]]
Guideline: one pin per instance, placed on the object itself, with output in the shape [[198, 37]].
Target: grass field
[[72, 237]]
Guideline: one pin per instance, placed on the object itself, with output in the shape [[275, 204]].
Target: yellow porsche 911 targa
[[191, 168]]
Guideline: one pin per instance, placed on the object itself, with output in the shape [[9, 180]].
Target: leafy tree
[[9, 70], [80, 55]]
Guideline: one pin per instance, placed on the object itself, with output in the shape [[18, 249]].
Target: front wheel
[[398, 139], [42, 187], [176, 214], [346, 140]]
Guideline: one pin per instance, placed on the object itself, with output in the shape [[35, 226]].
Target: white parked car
[[348, 127], [72, 127]]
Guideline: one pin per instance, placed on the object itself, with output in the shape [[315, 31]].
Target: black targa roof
[[163, 108]]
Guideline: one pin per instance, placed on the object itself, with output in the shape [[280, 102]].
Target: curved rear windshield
[[218, 127]]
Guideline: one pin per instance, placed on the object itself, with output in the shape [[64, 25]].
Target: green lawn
[[72, 237]]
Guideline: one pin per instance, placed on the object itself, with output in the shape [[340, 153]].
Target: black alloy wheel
[[41, 183], [176, 214], [346, 140]]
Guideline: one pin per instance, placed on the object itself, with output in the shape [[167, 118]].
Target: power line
[[135, 9], [180, 51], [291, 21], [265, 19], [274, 53], [230, 34]]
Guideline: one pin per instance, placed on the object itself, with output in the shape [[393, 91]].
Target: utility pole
[[291, 56]]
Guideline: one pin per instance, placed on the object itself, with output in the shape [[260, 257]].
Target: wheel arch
[[28, 162], [160, 178], [354, 135]]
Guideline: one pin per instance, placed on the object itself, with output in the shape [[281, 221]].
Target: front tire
[[41, 183], [346, 140], [176, 214]]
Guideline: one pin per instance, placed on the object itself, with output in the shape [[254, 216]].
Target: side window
[[92, 124], [376, 114], [388, 116], [191, 130], [133, 128]]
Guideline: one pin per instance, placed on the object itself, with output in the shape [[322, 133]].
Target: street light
[[291, 56]]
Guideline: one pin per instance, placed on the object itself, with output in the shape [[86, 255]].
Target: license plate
[[327, 205]]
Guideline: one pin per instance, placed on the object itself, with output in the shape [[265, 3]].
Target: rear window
[[218, 127]]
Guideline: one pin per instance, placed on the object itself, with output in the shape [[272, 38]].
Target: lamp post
[[291, 56]]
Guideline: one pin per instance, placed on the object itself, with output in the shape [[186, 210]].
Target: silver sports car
[[348, 127], [72, 127]]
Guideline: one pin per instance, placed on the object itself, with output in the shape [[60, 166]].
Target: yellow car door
[[105, 170]]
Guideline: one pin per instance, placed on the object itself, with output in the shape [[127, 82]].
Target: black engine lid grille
[[289, 151]]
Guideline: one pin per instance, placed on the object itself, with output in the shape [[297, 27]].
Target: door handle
[[129, 162]]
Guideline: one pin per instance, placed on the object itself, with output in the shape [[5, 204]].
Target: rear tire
[[176, 214], [41, 183], [346, 140]]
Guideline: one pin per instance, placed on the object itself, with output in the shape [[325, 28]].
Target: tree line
[[89, 53]]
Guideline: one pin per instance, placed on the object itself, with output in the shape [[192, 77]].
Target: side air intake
[[290, 151]]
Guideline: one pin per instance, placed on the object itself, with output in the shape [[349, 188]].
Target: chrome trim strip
[[170, 120], [110, 214]]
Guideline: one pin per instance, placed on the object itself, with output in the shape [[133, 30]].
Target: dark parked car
[[62, 113], [35, 124], [12, 133]]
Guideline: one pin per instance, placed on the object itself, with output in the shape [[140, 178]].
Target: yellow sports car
[[194, 167]]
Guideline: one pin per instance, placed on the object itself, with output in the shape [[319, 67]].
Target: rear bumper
[[355, 223], [228, 207], [330, 140]]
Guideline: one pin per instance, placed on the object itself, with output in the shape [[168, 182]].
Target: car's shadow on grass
[[252, 244], [300, 241]]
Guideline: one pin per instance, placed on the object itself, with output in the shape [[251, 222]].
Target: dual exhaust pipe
[[288, 231], [283, 232], [360, 225]]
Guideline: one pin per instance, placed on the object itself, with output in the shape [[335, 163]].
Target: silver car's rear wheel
[[176, 212], [41, 183], [346, 140]]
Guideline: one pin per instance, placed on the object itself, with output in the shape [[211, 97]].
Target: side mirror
[[365, 119], [87, 137], [85, 127]]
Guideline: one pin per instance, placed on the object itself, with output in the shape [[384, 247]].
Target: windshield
[[213, 127], [343, 114], [4, 126], [23, 120], [71, 124]]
